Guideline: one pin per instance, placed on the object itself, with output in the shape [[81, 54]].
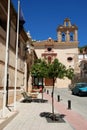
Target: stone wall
[[23, 38], [62, 54], [10, 97]]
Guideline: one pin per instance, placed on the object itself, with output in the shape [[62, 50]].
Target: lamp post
[[6, 60]]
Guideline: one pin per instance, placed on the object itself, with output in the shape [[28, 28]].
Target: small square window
[[69, 59], [49, 48]]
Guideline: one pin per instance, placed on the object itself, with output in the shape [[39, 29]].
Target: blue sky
[[43, 17]]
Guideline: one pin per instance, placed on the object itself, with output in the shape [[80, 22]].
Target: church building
[[65, 49]]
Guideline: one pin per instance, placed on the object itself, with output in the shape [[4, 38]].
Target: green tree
[[39, 70], [52, 70], [58, 70]]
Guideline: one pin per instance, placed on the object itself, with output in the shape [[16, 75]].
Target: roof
[[44, 42], [54, 43], [70, 27]]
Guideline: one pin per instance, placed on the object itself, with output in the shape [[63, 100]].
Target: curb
[[7, 119]]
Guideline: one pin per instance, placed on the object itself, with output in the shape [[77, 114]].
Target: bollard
[[52, 94], [69, 104], [58, 97], [44, 89], [47, 91]]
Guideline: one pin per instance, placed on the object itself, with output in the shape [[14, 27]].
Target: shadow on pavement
[[56, 118], [34, 100]]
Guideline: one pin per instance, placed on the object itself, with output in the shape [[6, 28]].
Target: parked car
[[79, 89]]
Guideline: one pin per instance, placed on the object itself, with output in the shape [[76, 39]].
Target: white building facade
[[65, 49]]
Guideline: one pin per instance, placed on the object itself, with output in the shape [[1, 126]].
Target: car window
[[81, 85], [84, 85]]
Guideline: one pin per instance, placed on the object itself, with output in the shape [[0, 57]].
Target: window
[[71, 36], [67, 24], [69, 59], [3, 24], [63, 37], [49, 59], [49, 48]]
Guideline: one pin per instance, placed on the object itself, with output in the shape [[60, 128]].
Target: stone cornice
[[42, 44]]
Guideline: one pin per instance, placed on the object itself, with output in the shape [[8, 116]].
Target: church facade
[[65, 49]]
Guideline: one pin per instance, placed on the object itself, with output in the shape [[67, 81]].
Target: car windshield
[[81, 85]]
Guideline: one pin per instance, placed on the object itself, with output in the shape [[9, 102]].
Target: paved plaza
[[28, 117]]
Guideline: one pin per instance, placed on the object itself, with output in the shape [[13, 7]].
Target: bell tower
[[67, 32]]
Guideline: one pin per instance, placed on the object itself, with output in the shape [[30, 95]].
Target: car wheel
[[79, 93]]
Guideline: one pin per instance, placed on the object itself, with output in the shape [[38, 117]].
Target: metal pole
[[69, 104], [47, 91], [58, 97], [25, 75], [7, 89], [16, 60], [6, 60]]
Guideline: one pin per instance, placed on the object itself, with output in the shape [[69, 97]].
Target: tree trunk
[[42, 89], [53, 99], [42, 93]]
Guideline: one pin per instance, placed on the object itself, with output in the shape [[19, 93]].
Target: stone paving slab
[[29, 118], [4, 121]]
